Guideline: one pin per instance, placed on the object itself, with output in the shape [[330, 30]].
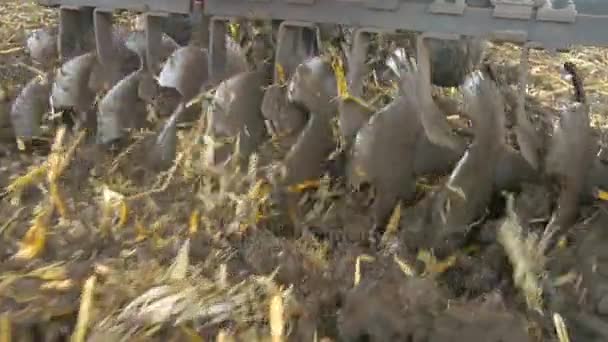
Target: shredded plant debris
[[96, 246]]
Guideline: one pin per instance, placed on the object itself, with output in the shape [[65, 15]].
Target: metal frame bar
[[166, 6], [415, 16]]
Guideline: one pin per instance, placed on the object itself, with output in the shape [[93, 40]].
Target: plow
[[109, 75], [376, 98]]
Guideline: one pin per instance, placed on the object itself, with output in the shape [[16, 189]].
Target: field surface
[[95, 248]]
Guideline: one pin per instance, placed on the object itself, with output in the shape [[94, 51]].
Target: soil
[[242, 252]]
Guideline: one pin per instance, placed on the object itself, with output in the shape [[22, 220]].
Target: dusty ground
[[189, 255]]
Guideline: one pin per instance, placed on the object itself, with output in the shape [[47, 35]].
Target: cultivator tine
[[423, 57], [217, 49], [434, 122], [523, 78], [353, 111], [423, 60], [154, 41], [200, 35], [357, 66], [292, 48], [284, 118], [527, 137], [523, 73], [104, 35], [74, 25]]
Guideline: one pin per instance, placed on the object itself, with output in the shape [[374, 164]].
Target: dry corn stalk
[[525, 256], [84, 313], [342, 84], [282, 79], [54, 166], [33, 177], [57, 162], [560, 328], [393, 223], [223, 336], [360, 258], [34, 241], [165, 178], [432, 266], [191, 334], [5, 328], [404, 267], [305, 185], [113, 204], [277, 319], [194, 222]]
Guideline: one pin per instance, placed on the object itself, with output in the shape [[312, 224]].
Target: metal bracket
[[513, 9], [443, 7], [563, 15], [518, 37], [301, 2], [383, 5], [420, 16]]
